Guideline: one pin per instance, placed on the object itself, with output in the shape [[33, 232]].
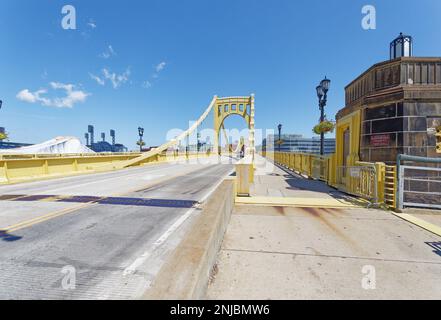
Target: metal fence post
[[400, 197]]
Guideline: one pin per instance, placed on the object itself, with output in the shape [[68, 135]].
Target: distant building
[[103, 146], [12, 145], [297, 143]]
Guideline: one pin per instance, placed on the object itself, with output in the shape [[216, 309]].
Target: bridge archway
[[222, 109], [226, 107]]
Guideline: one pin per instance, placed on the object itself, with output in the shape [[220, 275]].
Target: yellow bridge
[[375, 182]]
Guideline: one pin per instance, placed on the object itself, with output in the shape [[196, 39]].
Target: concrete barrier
[[244, 176], [186, 273]]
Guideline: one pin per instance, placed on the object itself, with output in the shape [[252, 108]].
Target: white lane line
[[139, 261], [131, 269], [71, 179], [138, 174], [204, 198]]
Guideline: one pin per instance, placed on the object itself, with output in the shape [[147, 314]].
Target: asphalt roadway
[[98, 236]]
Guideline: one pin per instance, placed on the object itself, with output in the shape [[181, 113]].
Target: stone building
[[399, 102]]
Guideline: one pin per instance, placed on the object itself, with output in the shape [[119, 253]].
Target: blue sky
[[158, 63]]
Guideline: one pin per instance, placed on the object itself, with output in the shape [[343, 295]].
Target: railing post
[[400, 189], [45, 167], [380, 169]]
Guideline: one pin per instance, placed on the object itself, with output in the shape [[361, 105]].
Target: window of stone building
[[380, 112]]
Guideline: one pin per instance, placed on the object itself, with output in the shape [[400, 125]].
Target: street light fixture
[[322, 94], [141, 134]]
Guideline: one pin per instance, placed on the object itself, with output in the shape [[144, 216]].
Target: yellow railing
[[375, 182], [310, 165], [390, 186], [19, 168]]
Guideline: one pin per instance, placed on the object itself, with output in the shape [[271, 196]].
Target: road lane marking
[[101, 181], [132, 268], [52, 215], [58, 213]]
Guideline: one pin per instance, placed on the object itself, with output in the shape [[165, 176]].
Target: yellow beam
[[295, 202], [419, 222]]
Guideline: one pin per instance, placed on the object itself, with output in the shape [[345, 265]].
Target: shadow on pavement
[[5, 236], [436, 246], [298, 182]]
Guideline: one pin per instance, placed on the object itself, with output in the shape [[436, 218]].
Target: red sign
[[380, 140]]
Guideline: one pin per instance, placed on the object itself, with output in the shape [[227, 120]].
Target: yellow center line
[[46, 217], [55, 214]]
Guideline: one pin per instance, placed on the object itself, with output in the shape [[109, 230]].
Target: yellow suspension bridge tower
[[242, 106]]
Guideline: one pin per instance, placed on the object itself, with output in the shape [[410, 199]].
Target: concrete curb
[[186, 274]]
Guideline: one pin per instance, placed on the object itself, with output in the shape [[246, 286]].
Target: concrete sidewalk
[[317, 252]]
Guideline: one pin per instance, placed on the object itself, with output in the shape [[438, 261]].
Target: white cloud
[[160, 66], [27, 96], [116, 79], [108, 53], [100, 81], [68, 101], [91, 24], [158, 69], [146, 84]]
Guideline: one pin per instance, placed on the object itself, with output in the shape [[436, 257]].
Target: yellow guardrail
[[375, 182], [311, 165], [20, 168], [390, 186]]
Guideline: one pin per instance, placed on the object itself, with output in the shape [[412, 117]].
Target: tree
[[3, 136]]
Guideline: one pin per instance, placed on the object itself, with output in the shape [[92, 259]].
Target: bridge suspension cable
[[222, 107]]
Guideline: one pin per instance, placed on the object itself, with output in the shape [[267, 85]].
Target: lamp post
[[322, 94], [141, 134], [280, 136]]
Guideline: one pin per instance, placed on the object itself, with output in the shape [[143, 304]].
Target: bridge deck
[[114, 228], [277, 186]]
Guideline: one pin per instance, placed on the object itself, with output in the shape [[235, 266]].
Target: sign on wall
[[380, 140]]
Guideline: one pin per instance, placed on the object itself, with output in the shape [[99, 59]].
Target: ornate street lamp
[[141, 134], [279, 127], [322, 94]]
